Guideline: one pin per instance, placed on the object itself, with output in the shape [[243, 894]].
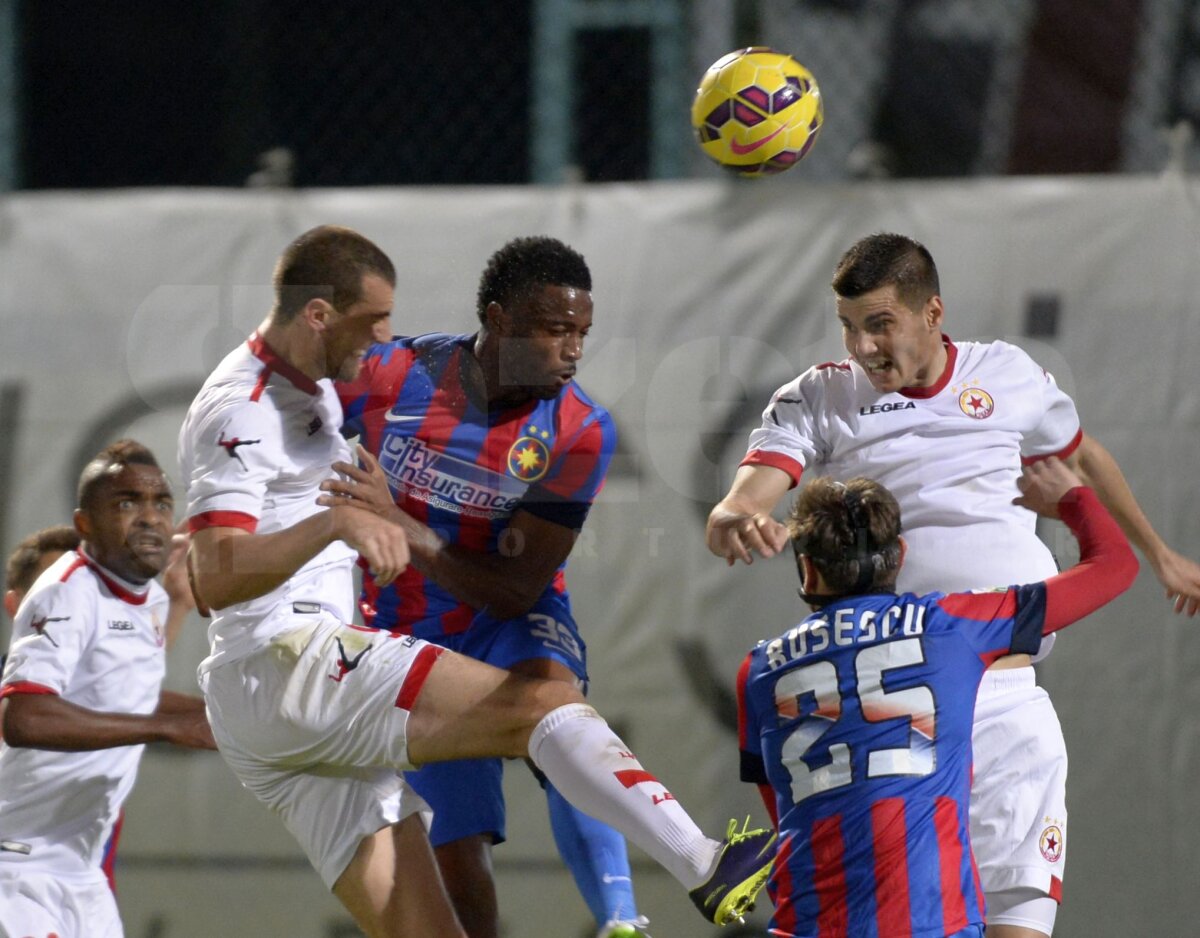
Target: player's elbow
[[19, 730], [1126, 568]]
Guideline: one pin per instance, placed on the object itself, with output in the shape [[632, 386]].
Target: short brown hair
[[327, 262], [27, 555], [886, 259], [842, 528], [107, 463]]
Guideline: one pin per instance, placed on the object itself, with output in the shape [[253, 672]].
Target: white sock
[[587, 762]]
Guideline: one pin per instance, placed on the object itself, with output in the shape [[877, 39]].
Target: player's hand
[[1043, 484], [737, 535], [1181, 577], [363, 486], [175, 574], [380, 542], [190, 729]]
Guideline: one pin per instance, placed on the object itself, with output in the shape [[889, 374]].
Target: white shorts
[[34, 903], [314, 725], [1018, 794]]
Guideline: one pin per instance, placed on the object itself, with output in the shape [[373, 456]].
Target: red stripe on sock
[[631, 777]]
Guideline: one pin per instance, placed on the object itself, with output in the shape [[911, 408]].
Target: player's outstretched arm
[[1106, 567], [1180, 575], [741, 525], [230, 565], [506, 583], [46, 721]]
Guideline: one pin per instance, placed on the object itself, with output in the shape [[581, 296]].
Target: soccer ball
[[757, 111]]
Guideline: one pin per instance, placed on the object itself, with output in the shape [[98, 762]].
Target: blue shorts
[[466, 795]]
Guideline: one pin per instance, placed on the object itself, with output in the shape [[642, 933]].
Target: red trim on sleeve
[[947, 373], [760, 457], [269, 357], [25, 687], [1056, 889], [222, 519], [1063, 453], [418, 671]]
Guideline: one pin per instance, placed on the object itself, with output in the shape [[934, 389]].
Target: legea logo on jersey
[[448, 483], [977, 403], [529, 457]]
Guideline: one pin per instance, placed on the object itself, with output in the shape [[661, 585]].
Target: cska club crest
[[977, 403], [1051, 843], [529, 457]]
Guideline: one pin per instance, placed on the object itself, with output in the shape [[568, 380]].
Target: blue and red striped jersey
[[465, 469], [860, 720]]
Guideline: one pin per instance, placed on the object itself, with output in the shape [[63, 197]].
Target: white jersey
[[950, 453], [256, 444], [96, 641]]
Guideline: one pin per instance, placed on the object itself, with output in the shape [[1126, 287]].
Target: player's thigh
[[392, 887], [468, 710]]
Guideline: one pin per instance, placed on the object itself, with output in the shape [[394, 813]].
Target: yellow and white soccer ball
[[757, 111]]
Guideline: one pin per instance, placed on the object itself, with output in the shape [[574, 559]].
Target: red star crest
[[976, 403]]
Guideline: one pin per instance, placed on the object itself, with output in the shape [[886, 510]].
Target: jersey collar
[[280, 366], [936, 388], [121, 588]]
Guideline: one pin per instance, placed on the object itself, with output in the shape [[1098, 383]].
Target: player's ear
[[808, 574], [934, 312], [903, 552], [318, 313], [11, 601], [497, 318], [83, 523]]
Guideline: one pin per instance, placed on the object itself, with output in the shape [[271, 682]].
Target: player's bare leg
[[392, 887], [466, 867], [1014, 931]]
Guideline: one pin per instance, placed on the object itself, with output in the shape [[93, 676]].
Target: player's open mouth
[[148, 544]]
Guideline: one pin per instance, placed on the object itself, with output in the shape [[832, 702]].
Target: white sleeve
[[232, 462], [1057, 432], [787, 438], [52, 632]]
